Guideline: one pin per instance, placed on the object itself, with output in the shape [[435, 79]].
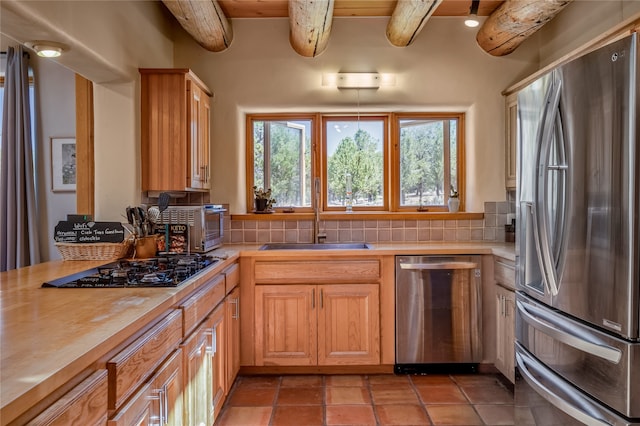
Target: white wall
[[54, 117], [444, 69], [581, 22]]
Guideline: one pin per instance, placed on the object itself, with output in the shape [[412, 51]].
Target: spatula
[[163, 201]]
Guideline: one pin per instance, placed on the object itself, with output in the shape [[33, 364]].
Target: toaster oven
[[198, 229]]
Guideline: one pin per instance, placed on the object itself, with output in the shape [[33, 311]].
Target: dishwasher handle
[[438, 265]]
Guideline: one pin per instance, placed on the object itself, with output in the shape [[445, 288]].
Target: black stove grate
[[164, 271]]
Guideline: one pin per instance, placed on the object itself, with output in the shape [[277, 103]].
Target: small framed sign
[[63, 164]]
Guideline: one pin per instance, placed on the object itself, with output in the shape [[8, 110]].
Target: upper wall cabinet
[[511, 136], [175, 130]]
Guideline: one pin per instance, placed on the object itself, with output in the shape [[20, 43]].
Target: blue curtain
[[18, 211]]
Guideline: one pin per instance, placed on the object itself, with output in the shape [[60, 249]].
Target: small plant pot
[[454, 204], [261, 205]]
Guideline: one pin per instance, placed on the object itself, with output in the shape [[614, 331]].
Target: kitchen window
[[403, 162]]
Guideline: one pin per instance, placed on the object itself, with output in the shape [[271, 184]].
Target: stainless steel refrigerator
[[578, 253]]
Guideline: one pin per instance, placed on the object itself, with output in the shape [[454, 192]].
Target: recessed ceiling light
[[46, 49]]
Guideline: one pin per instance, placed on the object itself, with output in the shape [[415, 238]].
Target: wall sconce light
[[472, 19], [47, 49], [358, 80]]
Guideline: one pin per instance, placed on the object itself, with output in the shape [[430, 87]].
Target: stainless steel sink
[[318, 246]]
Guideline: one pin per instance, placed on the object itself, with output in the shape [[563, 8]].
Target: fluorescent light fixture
[[358, 80], [46, 49], [472, 19]]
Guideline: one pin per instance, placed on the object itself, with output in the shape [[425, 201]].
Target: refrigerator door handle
[[571, 402], [551, 325], [545, 254]]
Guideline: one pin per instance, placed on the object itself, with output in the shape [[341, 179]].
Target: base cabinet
[[306, 325], [504, 273], [232, 318]]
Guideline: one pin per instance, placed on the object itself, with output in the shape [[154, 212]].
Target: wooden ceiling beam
[[515, 20], [310, 26], [408, 19], [204, 21]]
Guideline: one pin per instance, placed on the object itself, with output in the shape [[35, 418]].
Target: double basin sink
[[316, 246]]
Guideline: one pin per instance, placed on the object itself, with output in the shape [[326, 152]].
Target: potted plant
[[454, 200], [263, 200]]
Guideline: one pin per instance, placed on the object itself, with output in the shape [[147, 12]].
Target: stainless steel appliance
[[578, 281], [438, 313], [162, 271], [205, 225]]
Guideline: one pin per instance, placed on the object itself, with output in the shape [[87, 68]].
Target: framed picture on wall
[[63, 164]]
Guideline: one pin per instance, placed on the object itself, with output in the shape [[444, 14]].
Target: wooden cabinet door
[[286, 325], [511, 123], [197, 377], [232, 307], [137, 411], [166, 392], [217, 342], [349, 325], [198, 119], [505, 332]]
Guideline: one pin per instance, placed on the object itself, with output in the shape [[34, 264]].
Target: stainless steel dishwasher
[[438, 314]]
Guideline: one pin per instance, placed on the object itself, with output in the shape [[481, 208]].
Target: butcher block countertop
[[50, 336]]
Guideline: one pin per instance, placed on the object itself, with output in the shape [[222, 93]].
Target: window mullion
[[446, 140]]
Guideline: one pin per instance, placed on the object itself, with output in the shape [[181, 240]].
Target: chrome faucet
[[318, 237]]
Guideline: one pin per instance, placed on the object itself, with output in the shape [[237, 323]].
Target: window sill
[[362, 216]]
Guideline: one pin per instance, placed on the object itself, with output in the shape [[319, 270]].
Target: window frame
[[385, 160], [391, 158], [395, 160], [250, 176]]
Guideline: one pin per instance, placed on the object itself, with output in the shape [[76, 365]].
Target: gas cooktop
[[164, 271]]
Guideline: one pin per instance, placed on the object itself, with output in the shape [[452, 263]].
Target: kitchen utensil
[[163, 201], [153, 214]]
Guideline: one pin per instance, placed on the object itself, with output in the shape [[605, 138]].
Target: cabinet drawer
[[232, 274], [504, 272], [317, 271], [135, 364], [197, 306], [86, 404]]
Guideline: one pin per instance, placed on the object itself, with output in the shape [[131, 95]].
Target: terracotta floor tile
[[492, 394], [496, 414], [351, 415], [453, 415], [436, 379], [308, 415], [441, 394], [256, 397], [245, 416], [393, 395], [301, 381], [402, 414], [341, 395], [476, 379], [345, 380], [300, 396], [259, 381], [388, 379]]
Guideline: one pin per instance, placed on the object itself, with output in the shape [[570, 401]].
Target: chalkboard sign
[[89, 232]]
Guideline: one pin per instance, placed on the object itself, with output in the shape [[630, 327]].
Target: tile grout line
[[422, 403]]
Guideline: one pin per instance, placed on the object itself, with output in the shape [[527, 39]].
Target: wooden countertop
[[506, 250], [48, 336]]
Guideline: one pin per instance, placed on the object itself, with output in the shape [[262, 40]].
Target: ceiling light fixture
[[358, 80], [46, 49], [472, 19]]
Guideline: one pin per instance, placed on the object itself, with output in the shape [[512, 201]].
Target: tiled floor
[[368, 400]]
